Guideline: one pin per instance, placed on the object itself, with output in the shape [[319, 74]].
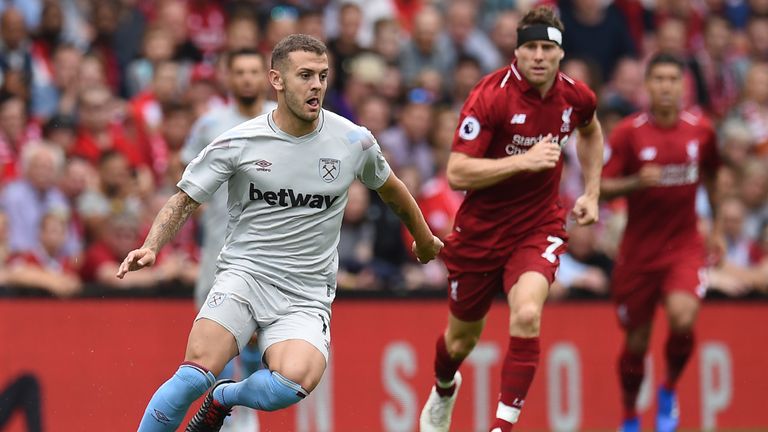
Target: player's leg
[[526, 300], [636, 295], [684, 287], [470, 298], [209, 348]]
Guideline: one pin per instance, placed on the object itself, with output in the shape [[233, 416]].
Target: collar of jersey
[[526, 88], [289, 137]]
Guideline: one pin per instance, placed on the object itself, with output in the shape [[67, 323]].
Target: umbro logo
[[263, 165], [518, 119], [161, 417]]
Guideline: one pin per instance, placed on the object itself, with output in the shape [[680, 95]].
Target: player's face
[[539, 61], [304, 82], [665, 86], [246, 77]]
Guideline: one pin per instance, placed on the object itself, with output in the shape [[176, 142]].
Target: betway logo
[[290, 198]]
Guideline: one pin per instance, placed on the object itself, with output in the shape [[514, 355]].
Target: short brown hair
[[541, 15], [293, 43]]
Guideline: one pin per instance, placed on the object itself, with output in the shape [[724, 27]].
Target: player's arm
[[167, 224], [589, 150], [617, 180], [466, 172], [394, 193]]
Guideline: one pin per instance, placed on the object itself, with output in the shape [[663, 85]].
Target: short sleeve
[[212, 167], [476, 123], [617, 153], [373, 169], [585, 111], [710, 158]]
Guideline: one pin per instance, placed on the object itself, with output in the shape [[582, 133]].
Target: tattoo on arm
[[169, 220], [401, 212]]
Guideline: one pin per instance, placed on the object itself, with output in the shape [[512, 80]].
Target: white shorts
[[244, 305]]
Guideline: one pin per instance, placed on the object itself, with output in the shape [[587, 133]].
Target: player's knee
[[459, 346], [525, 320], [682, 320], [638, 340], [302, 373]]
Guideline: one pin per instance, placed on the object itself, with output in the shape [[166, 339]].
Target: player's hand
[[717, 247], [428, 251], [543, 155], [649, 175], [137, 259], [585, 211]]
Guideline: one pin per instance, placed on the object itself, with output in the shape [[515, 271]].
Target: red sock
[[445, 367], [678, 350], [516, 375], [631, 373]]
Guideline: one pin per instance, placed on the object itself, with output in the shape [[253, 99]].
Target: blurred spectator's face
[[66, 65], [165, 83], [581, 242], [392, 84], [754, 186], [757, 34], [13, 119], [42, 171], [122, 235], [665, 86], [15, 83], [242, 34], [312, 25], [247, 78], [756, 86], [199, 95], [173, 16], [717, 38], [350, 20], [158, 45], [461, 18], [426, 29], [51, 21], [416, 120], [628, 78], [357, 205], [736, 150], [12, 28], [91, 73], [539, 61], [576, 69], [386, 42], [671, 37], [53, 233], [175, 129], [115, 175], [278, 29], [77, 173], [105, 18], [504, 34], [95, 109], [374, 114], [430, 80], [732, 216]]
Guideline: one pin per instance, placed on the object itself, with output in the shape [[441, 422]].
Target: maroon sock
[[445, 367], [678, 350], [518, 370], [631, 373]]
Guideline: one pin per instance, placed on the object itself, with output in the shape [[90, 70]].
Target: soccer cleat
[[436, 415], [630, 425], [210, 417], [668, 415]]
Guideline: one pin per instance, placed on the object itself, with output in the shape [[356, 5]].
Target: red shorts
[[470, 293], [636, 293]]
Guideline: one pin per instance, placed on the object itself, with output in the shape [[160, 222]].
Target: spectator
[[173, 15], [733, 277], [386, 39], [310, 23], [60, 131], [25, 201], [15, 132], [406, 142], [206, 26], [15, 46], [344, 47], [584, 270], [753, 192], [504, 34], [428, 47], [714, 69], [375, 114], [468, 39], [157, 48], [670, 39], [365, 71], [55, 90], [757, 46], [46, 266], [622, 91], [104, 45], [753, 108], [242, 32], [356, 242]]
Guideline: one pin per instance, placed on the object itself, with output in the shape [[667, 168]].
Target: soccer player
[[247, 82], [657, 160], [510, 228], [287, 175]]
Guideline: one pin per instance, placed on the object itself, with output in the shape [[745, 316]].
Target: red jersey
[[503, 116], [662, 222]]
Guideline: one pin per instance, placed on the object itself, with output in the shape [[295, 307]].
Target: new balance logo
[[518, 119], [289, 198]]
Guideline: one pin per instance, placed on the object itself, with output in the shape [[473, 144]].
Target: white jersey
[[286, 198], [204, 132]]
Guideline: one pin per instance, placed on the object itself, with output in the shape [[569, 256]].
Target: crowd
[[98, 97]]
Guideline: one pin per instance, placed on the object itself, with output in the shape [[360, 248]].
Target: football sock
[[516, 377], [445, 369], [170, 402], [677, 351], [264, 390], [631, 373]]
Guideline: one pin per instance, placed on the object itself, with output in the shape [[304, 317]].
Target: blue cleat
[[668, 416], [630, 425]]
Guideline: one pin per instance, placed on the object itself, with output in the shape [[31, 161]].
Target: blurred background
[[97, 98]]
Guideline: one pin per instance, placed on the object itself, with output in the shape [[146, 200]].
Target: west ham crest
[[329, 169]]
